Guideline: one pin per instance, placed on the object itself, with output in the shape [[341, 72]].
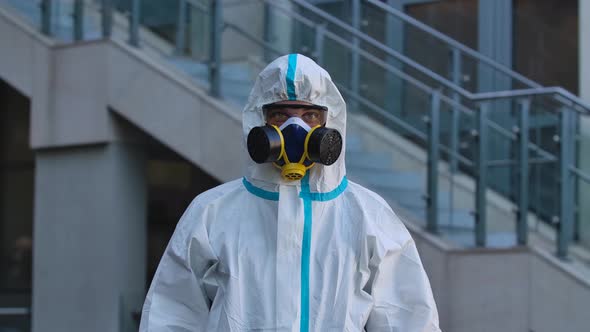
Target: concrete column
[[89, 237], [584, 59]]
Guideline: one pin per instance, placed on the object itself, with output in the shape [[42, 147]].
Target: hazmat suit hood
[[295, 77]]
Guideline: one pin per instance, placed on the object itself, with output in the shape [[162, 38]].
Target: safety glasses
[[277, 113]]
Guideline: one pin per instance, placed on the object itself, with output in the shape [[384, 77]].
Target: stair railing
[[569, 109]]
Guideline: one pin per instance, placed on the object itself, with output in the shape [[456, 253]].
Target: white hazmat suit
[[265, 254]]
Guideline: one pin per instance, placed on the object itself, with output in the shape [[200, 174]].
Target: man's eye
[[279, 116], [311, 116]]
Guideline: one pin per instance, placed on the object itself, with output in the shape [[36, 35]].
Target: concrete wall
[[559, 295], [21, 45], [522, 289], [89, 237], [69, 102], [172, 109]]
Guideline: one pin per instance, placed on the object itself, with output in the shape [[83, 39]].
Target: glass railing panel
[[30, 10], [177, 32], [254, 35], [63, 21], [544, 133], [306, 34], [407, 40], [340, 9], [169, 30], [456, 125], [455, 201], [502, 145], [399, 99], [404, 182], [157, 17], [434, 53], [337, 62]]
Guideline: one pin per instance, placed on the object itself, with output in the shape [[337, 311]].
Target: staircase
[[382, 85]]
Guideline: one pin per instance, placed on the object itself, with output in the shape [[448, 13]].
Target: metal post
[[566, 189], [107, 18], [320, 31], [454, 130], [523, 171], [394, 39], [215, 56], [47, 17], [355, 60], [482, 171], [456, 77], [79, 20], [181, 26], [433, 157], [134, 22], [268, 32]]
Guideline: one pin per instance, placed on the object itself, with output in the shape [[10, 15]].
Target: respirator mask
[[294, 146]]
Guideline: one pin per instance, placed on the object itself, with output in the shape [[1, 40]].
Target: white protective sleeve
[[402, 297], [178, 297]]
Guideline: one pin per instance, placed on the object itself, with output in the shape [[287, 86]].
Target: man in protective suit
[[294, 245]]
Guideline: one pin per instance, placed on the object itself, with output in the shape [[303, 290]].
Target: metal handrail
[[481, 162], [581, 174], [375, 43], [453, 43], [536, 90], [574, 101], [418, 84], [422, 86]]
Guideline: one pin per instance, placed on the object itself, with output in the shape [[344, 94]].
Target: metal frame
[[180, 38], [433, 159], [566, 220], [107, 18], [215, 55], [134, 19], [523, 172], [47, 17], [482, 175], [78, 20]]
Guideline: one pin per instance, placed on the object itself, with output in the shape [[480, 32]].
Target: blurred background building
[[469, 116]]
